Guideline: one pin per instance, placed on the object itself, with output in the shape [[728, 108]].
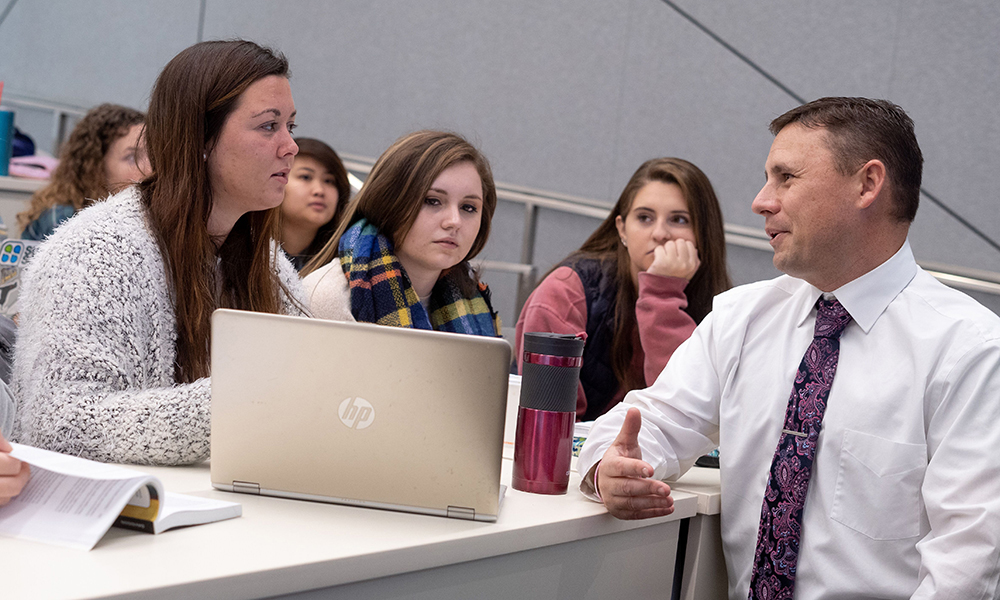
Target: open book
[[73, 502]]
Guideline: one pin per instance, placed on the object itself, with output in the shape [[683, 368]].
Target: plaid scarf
[[381, 292]]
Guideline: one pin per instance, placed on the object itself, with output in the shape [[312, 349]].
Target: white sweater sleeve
[[327, 293], [7, 407], [296, 303]]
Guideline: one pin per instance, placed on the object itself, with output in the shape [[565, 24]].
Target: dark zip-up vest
[[598, 375]]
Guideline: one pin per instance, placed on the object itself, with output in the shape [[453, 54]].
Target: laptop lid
[[357, 413]]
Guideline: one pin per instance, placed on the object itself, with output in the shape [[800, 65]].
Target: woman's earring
[[204, 155], [624, 243]]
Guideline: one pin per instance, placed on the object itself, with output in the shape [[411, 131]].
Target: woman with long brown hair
[[112, 360], [638, 285], [401, 254], [103, 154]]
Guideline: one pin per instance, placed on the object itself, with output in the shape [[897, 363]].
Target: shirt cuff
[[588, 484]]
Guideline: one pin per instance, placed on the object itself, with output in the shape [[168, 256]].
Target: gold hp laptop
[[321, 410]]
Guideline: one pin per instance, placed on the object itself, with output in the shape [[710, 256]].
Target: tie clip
[[795, 433]]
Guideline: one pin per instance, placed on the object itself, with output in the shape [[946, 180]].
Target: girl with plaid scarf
[[400, 256]]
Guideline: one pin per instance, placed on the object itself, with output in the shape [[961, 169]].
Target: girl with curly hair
[[104, 154]]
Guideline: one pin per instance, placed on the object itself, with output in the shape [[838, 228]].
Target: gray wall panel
[[937, 237], [85, 53], [747, 265], [558, 235], [534, 84], [947, 77], [674, 106], [817, 49], [503, 290], [570, 96], [506, 233], [937, 60]]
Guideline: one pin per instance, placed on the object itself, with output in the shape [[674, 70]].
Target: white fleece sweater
[[94, 360], [327, 292]]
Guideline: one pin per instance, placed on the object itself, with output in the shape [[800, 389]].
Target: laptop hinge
[[245, 487], [461, 512]]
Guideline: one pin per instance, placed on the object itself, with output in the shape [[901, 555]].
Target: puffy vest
[[598, 375]]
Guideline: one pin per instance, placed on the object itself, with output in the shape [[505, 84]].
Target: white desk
[[704, 483], [541, 547], [705, 576], [15, 196]]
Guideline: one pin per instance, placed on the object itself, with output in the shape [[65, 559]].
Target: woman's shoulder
[[594, 271], [120, 216], [46, 223], [562, 276], [320, 275], [113, 233], [560, 288], [289, 277], [585, 272], [327, 293], [57, 213]]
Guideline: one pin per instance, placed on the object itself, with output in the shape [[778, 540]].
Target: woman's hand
[[675, 258], [14, 474]]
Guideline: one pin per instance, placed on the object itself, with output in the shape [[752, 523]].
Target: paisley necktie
[[777, 553]]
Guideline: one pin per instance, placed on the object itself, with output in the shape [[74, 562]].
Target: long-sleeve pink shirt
[[559, 305]]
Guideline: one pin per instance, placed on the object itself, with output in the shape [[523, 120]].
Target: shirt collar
[[867, 297]]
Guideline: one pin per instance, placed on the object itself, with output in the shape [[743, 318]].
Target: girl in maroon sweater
[[638, 285]]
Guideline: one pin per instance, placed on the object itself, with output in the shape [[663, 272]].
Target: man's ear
[[872, 180]]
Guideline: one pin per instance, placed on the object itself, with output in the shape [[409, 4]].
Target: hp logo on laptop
[[356, 413]]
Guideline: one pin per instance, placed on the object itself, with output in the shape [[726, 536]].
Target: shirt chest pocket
[[878, 486]]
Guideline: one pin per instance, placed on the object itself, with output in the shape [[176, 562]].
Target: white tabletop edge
[[703, 483], [300, 545]]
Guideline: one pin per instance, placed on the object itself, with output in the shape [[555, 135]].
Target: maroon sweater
[[559, 305]]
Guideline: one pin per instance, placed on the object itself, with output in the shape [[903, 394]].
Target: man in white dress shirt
[[904, 495]]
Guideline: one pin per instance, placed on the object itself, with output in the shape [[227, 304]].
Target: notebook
[[359, 414]]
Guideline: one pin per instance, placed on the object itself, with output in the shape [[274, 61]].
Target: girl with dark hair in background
[[638, 285], [112, 360], [104, 153], [317, 192], [401, 254]]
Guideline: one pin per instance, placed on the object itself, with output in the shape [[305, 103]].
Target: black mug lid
[[553, 344]]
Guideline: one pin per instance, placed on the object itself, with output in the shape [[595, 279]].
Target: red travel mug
[[543, 444]]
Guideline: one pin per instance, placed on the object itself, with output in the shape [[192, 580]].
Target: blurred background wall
[[570, 96]]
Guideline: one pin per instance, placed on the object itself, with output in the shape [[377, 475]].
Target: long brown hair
[[188, 107], [330, 160], [397, 185], [80, 179], [605, 245]]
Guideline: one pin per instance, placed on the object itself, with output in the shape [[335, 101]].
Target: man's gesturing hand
[[623, 477]]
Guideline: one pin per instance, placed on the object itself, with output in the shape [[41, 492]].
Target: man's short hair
[[862, 129]]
